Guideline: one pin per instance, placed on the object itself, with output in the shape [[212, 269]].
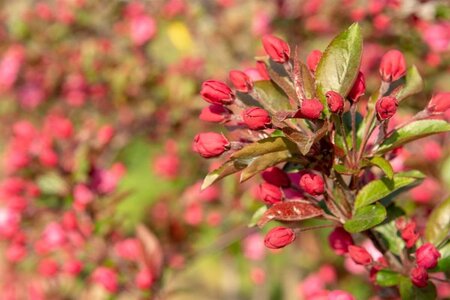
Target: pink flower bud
[[72, 267], [340, 240], [340, 295], [312, 184], [276, 48], [313, 60], [128, 249], [358, 89], [279, 237], [210, 144], [386, 107], [144, 279], [392, 66], [335, 102], [360, 255], [105, 135], [16, 252], [256, 118], [107, 278], [276, 176], [217, 92], [142, 29], [427, 256], [439, 103], [215, 113], [419, 277], [48, 268], [310, 109], [82, 196], [269, 193], [262, 70], [54, 235], [409, 234], [241, 81]]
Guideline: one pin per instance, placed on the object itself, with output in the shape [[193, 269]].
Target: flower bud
[[358, 89], [409, 234], [241, 81], [310, 109], [419, 277], [392, 66], [107, 278], [276, 48], [340, 295], [439, 103], [312, 184], [427, 256], [215, 113], [386, 107], [269, 193], [256, 118], [359, 255], [279, 237], [144, 279], [313, 60], [217, 92], [276, 177], [210, 144], [335, 102], [339, 240]]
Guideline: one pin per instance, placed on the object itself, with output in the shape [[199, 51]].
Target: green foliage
[[387, 278], [408, 291], [366, 218], [381, 188], [411, 132], [339, 65], [438, 225]]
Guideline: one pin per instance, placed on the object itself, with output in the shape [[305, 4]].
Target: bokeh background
[[100, 191]]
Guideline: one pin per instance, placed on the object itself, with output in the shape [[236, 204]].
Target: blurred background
[[99, 189]]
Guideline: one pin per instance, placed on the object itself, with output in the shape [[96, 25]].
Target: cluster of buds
[[304, 128]]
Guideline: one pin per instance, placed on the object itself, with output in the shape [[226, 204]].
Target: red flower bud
[[386, 107], [310, 109], [419, 277], [210, 144], [215, 113], [279, 237], [439, 103], [256, 118], [312, 184], [358, 89], [241, 81], [339, 240], [427, 256], [313, 60], [269, 193], [409, 234], [276, 177], [392, 66], [276, 48], [360, 255], [217, 92], [335, 102]]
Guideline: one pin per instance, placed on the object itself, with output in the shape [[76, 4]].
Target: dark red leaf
[[295, 210]]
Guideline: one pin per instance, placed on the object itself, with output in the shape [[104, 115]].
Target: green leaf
[[381, 188], [228, 168], [409, 291], [257, 215], [339, 65], [263, 162], [438, 226], [383, 164], [271, 97], [281, 78], [264, 146], [52, 183], [366, 218], [413, 131], [413, 85], [387, 278]]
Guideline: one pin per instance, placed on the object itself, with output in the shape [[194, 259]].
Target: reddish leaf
[[295, 210]]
